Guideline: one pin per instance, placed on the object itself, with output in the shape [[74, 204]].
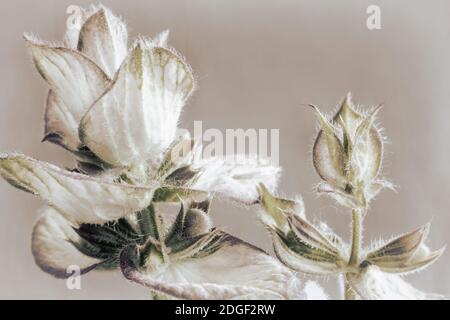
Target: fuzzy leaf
[[405, 254], [297, 243], [299, 257], [300, 245], [313, 237], [400, 248]]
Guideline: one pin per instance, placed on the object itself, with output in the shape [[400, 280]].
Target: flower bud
[[197, 223], [347, 155]]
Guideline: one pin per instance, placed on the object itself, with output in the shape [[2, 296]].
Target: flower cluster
[[347, 155], [116, 110]]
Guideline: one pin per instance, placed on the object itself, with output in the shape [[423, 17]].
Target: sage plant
[[347, 155], [116, 109]]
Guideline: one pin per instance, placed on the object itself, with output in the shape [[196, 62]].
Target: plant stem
[[349, 293], [356, 237]]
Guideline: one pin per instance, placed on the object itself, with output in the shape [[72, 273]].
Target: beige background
[[257, 62]]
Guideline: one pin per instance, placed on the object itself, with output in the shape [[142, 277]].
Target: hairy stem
[[356, 237], [357, 214]]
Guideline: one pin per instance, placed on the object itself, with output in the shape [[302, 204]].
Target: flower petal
[[236, 179], [61, 126], [53, 249], [103, 37], [373, 284], [76, 82], [236, 271], [79, 198], [136, 119]]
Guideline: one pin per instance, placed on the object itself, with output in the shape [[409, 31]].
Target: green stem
[[356, 237], [349, 293]]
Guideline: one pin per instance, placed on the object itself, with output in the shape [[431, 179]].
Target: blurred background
[[257, 63]]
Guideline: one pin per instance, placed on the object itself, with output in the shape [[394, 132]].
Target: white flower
[[123, 106], [181, 258], [117, 110]]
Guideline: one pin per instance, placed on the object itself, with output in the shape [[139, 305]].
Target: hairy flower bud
[[347, 155]]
